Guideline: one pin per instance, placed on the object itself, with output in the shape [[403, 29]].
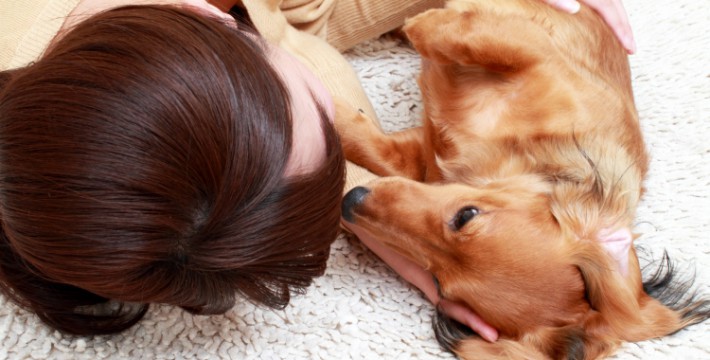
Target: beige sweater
[[312, 30]]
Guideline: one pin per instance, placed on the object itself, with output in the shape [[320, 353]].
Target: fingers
[[466, 316], [423, 280], [614, 14], [570, 6], [209, 9]]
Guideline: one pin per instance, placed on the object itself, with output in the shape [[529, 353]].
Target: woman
[[158, 155], [114, 187]]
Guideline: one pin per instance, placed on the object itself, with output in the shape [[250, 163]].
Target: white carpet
[[362, 310]]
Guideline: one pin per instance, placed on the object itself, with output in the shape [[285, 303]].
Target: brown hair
[[142, 161]]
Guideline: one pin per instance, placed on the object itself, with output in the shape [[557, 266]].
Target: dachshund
[[519, 190]]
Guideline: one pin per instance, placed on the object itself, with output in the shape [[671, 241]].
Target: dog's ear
[[479, 349], [556, 343], [498, 43], [620, 307], [461, 341], [568, 342]]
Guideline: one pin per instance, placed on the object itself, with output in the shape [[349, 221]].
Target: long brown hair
[[142, 161]]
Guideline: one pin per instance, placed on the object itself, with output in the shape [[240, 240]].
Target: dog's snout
[[351, 200]]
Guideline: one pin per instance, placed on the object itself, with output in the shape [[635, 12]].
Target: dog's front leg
[[364, 143]]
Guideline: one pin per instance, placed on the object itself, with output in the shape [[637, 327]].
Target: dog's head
[[538, 163], [498, 249], [501, 250]]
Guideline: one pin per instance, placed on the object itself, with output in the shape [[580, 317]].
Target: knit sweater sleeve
[[315, 31], [323, 60]]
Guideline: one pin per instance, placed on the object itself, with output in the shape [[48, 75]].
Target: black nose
[[351, 200]]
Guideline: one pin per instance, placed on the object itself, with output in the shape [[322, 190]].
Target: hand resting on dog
[[613, 13], [422, 279]]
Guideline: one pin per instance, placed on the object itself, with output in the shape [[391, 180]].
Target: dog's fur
[[519, 191]]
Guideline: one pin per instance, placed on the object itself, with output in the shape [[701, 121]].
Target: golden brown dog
[[519, 191]]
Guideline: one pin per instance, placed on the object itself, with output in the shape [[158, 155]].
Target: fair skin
[[308, 139], [307, 93], [422, 279], [613, 13]]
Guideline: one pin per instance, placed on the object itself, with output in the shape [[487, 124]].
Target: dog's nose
[[351, 200]]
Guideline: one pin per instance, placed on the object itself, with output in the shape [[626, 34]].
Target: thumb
[[570, 6], [466, 316]]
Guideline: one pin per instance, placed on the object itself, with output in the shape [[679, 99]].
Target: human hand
[[463, 314], [613, 13], [423, 280]]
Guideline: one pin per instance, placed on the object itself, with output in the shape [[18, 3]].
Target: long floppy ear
[[568, 342], [458, 339], [620, 309], [556, 343], [498, 43], [503, 349]]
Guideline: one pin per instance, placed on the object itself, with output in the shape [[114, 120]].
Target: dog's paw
[[351, 122], [430, 30], [473, 37], [360, 135]]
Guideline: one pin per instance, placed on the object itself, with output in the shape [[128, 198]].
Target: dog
[[519, 190]]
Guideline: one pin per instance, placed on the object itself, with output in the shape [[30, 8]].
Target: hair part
[[142, 161]]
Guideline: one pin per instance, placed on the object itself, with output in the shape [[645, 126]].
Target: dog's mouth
[[362, 213]]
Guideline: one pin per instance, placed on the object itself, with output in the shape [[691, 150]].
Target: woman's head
[[145, 159]]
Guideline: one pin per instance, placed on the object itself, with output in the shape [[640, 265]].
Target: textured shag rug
[[362, 310]]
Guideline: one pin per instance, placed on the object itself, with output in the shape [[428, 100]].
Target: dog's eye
[[463, 216]]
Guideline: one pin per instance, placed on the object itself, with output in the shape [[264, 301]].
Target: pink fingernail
[[490, 335], [569, 6], [633, 46]]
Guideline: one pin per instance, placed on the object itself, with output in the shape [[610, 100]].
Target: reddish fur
[[529, 117]]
